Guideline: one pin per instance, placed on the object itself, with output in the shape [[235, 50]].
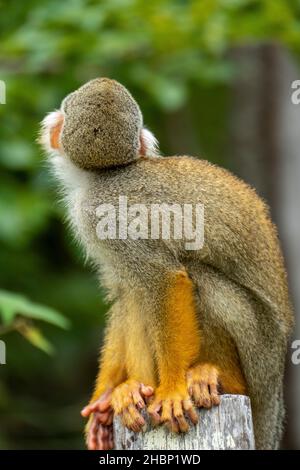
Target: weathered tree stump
[[224, 427]]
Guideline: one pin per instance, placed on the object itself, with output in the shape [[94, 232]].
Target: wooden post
[[227, 426]]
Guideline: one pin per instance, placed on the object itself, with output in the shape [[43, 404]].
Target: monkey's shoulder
[[177, 179], [187, 170]]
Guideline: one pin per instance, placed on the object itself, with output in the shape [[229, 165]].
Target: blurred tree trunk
[[180, 132], [253, 120], [265, 147]]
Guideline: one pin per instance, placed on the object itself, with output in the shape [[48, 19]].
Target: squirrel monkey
[[185, 325]]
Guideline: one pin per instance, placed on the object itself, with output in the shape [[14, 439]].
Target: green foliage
[[16, 310], [12, 305]]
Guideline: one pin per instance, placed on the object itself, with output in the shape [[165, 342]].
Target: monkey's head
[[99, 125]]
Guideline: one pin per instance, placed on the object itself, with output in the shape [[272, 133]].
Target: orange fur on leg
[[177, 349]]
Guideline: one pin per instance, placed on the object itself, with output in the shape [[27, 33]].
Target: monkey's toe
[[171, 410], [101, 405], [203, 382], [99, 429], [99, 436], [127, 400], [105, 439], [132, 419]]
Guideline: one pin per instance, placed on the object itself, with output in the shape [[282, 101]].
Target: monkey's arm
[[117, 378], [131, 396], [112, 370], [177, 341], [99, 433]]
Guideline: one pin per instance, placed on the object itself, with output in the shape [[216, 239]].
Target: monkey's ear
[[51, 131], [148, 144]]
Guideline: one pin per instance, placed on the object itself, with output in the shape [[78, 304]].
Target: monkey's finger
[[107, 438], [146, 390], [136, 417], [92, 435], [104, 431], [153, 409], [190, 411], [167, 411], [172, 425], [110, 419], [92, 443], [103, 417], [87, 410], [127, 420], [99, 439], [205, 400], [111, 439], [214, 394], [94, 426], [104, 437], [137, 399], [96, 406], [179, 415], [148, 399], [131, 422], [196, 393], [102, 404]]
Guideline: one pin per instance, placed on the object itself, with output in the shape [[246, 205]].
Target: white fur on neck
[[69, 175], [74, 183]]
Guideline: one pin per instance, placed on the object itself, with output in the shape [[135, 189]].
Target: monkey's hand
[[99, 429], [171, 408], [203, 382], [128, 399]]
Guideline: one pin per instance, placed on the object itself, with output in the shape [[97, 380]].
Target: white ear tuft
[[47, 124], [149, 144]]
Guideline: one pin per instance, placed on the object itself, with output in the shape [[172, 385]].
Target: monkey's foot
[[99, 429], [128, 399], [203, 381], [99, 436], [171, 409]]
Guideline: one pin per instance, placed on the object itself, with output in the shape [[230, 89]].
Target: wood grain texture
[[228, 426]]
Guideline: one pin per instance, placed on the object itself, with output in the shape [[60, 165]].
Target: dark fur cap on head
[[102, 125]]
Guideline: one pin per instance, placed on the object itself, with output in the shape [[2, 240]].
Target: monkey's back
[[240, 240]]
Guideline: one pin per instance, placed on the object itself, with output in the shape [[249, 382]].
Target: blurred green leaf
[[12, 304], [36, 338]]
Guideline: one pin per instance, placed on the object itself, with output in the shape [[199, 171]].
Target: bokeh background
[[213, 78]]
